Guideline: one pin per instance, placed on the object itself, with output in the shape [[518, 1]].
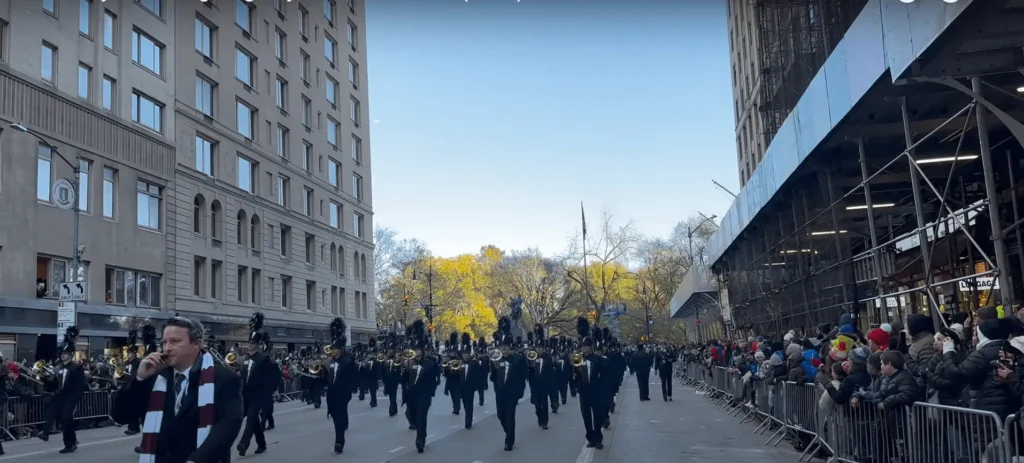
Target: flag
[[584, 216]]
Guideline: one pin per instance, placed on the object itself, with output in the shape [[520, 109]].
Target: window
[[246, 175], [357, 224], [83, 185], [331, 90], [303, 21], [307, 111], [50, 6], [256, 234], [85, 17], [243, 15], [286, 291], [245, 120], [357, 186], [243, 277], [333, 172], [146, 52], [48, 65], [215, 279], [310, 248], [109, 192], [281, 93], [204, 155], [282, 190], [353, 72], [109, 84], [329, 10], [204, 38], [307, 156], [357, 149], [149, 198], [353, 35], [304, 69], [286, 241], [310, 295], [330, 49], [353, 110], [3, 41], [44, 173], [154, 6], [335, 215], [84, 72], [147, 111], [257, 287], [204, 95], [279, 44], [132, 288], [282, 141], [333, 128], [307, 202], [244, 67], [51, 272], [109, 29]]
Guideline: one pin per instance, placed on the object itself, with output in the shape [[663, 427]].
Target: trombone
[[576, 359]]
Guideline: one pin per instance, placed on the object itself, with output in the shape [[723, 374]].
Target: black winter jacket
[[978, 372], [901, 391]]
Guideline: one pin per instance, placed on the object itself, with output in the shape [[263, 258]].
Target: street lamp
[[429, 309], [690, 231], [76, 209]]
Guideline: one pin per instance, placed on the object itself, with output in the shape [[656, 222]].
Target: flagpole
[[586, 271]]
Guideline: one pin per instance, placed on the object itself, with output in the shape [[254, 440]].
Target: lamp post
[[429, 308], [690, 231]]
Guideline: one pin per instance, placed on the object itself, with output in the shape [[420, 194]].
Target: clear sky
[[493, 119]]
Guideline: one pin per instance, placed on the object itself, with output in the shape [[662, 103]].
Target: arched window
[[334, 257], [216, 220], [341, 261], [198, 213], [355, 265], [241, 227], [362, 263], [255, 233]]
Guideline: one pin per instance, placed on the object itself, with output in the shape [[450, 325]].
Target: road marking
[[586, 455], [396, 449], [655, 421], [454, 426], [80, 445], [730, 449], [428, 437]]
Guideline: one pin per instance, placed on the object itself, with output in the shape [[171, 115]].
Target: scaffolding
[[795, 38]]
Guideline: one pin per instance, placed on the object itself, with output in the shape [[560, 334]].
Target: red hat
[[879, 336], [816, 363]]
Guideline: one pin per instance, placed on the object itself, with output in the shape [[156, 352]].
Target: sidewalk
[[690, 428]]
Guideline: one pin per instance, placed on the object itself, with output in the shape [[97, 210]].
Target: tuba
[[576, 359]]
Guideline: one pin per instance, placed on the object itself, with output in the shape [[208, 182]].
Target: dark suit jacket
[[342, 380], [177, 438], [512, 385], [542, 375], [425, 386], [258, 387]]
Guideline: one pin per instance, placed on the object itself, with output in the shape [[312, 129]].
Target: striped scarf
[[155, 414]]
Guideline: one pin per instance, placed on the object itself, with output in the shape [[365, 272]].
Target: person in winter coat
[[922, 344], [978, 370], [945, 391], [856, 380], [901, 390], [878, 340]]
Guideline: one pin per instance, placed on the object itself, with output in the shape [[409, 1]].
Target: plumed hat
[[255, 328], [467, 343], [598, 334], [529, 338], [265, 342], [133, 337], [70, 340], [518, 342], [372, 342], [538, 333], [583, 331], [339, 338], [417, 335], [504, 334], [149, 338], [453, 340]]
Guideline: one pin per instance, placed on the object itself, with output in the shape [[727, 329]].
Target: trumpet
[[409, 354], [454, 364], [327, 349], [576, 359], [532, 355], [42, 371], [231, 358]]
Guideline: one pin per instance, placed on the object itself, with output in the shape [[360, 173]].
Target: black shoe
[[669, 398], [599, 446], [508, 448], [554, 410], [131, 432], [138, 449], [412, 427], [260, 450], [392, 414], [469, 426], [481, 403], [419, 448], [455, 412], [590, 445], [563, 402], [241, 450], [544, 426], [69, 449], [43, 436], [338, 448], [271, 428]]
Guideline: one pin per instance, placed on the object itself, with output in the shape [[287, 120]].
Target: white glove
[[948, 346]]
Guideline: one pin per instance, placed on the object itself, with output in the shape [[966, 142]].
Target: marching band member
[[342, 382], [483, 362], [260, 378], [369, 373], [391, 374], [587, 377], [421, 378], [267, 415], [540, 374], [508, 374], [641, 362], [70, 383], [663, 362], [192, 404], [565, 369], [471, 373], [453, 377], [616, 367], [131, 367]]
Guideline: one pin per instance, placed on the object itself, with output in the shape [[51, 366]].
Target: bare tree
[[549, 295], [390, 256], [606, 257]]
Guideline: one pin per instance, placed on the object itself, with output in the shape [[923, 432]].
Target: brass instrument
[[454, 364], [409, 354], [231, 358], [396, 362], [532, 355], [118, 366], [327, 349], [495, 355], [576, 359], [316, 368], [42, 371], [382, 357], [22, 367]]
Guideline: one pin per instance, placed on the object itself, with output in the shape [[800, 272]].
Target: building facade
[[744, 57], [225, 167]]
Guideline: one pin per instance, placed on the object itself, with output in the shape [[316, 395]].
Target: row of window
[[122, 286]]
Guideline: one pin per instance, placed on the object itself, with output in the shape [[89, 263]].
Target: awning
[[697, 293]]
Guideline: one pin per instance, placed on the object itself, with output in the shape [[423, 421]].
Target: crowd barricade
[[25, 412], [921, 433]]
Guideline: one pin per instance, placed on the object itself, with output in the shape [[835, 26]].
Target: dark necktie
[[178, 380]]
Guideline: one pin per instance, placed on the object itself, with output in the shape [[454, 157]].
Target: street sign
[[72, 292], [67, 314], [64, 194]]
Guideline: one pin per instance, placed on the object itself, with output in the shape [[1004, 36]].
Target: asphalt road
[[688, 429]]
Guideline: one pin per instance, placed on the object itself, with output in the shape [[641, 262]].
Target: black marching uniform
[[663, 362], [369, 374], [131, 368], [590, 384], [342, 382], [391, 374], [260, 377], [452, 376], [641, 362], [541, 376], [616, 369], [421, 377], [508, 374], [68, 383], [481, 348], [564, 370]]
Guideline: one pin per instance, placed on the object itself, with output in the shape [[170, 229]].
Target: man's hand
[[151, 365]]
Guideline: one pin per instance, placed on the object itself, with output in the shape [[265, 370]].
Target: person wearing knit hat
[[789, 337], [886, 327], [846, 329], [859, 356], [921, 330], [841, 347], [878, 340]]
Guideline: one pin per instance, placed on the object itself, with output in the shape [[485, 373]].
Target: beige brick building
[[744, 56]]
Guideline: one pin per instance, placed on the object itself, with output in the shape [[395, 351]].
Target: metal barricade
[[863, 432], [946, 433], [23, 412]]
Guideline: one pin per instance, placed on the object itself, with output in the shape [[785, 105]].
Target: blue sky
[[493, 119]]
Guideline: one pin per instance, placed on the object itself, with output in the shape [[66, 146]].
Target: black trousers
[[416, 409], [392, 393], [456, 394], [553, 397], [339, 415], [373, 394], [572, 388], [506, 411], [593, 418], [539, 398], [643, 381], [61, 410], [481, 391], [253, 425], [666, 385], [268, 415], [467, 396], [563, 389]]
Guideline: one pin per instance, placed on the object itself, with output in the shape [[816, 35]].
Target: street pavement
[[690, 428]]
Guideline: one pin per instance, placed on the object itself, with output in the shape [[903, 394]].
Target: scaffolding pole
[[998, 237]]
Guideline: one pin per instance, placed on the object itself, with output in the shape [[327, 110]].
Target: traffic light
[[698, 322], [430, 327], [643, 338], [593, 314], [405, 300], [650, 320]]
